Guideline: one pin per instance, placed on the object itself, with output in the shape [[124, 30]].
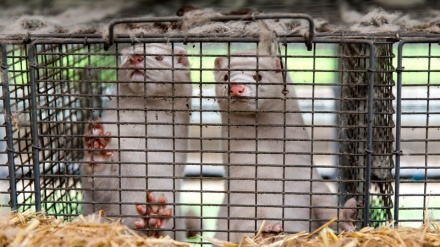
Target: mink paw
[[96, 142], [156, 212]]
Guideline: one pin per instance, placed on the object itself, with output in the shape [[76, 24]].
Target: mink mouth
[[240, 99], [137, 72], [139, 75]]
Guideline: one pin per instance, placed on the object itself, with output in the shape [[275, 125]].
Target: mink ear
[[126, 53], [124, 59], [219, 62], [181, 56]]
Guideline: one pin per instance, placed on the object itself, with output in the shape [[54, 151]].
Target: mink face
[[248, 86], [153, 70]]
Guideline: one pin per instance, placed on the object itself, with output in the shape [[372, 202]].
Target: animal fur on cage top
[[198, 21]]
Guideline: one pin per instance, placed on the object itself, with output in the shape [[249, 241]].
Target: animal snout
[[236, 90], [136, 60]]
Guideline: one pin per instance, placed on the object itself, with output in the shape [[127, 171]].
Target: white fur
[[265, 194], [138, 143]]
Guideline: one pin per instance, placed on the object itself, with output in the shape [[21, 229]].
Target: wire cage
[[416, 130], [46, 170], [218, 165]]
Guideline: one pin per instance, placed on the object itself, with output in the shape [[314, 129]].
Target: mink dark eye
[[159, 58], [257, 77], [226, 77]]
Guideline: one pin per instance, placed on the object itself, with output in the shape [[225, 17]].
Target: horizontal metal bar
[[14, 39]]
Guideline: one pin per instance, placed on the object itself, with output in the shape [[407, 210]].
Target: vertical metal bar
[[369, 150], [120, 84], [201, 130], [285, 72], [8, 121], [428, 96], [35, 143], [256, 138], [399, 71], [312, 135], [228, 161], [173, 120]]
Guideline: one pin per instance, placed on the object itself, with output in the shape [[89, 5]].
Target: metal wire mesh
[[61, 91], [383, 137], [354, 92], [61, 88], [417, 135], [355, 87]]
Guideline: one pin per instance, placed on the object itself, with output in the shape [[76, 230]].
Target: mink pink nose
[[236, 90], [136, 60]]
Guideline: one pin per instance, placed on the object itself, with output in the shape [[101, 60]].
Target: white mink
[[243, 96], [143, 126]]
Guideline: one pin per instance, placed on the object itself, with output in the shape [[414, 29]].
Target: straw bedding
[[427, 235], [37, 229]]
